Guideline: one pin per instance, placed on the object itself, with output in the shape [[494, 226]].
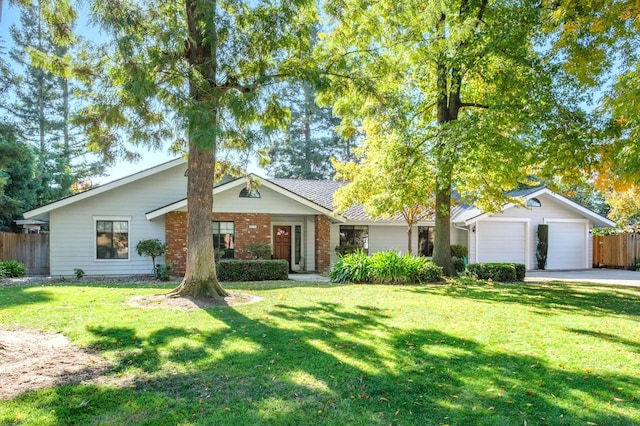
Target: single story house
[[97, 230]]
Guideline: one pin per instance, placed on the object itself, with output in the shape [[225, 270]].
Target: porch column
[[176, 242], [323, 228]]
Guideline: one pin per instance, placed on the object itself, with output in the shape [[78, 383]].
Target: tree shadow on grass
[[608, 337], [18, 295], [549, 299], [330, 364]]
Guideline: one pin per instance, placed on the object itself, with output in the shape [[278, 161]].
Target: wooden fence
[[30, 249], [616, 251]]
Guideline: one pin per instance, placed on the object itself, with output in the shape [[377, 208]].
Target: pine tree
[[43, 109], [305, 150], [16, 176]]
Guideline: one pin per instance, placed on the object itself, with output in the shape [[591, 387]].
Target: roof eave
[[43, 210], [238, 182], [598, 220]]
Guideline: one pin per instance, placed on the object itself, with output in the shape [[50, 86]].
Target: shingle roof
[[320, 192]]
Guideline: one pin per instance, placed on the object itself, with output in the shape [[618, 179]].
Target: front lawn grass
[[324, 354]]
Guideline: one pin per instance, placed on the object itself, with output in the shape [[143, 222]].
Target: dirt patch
[[164, 302], [31, 360]]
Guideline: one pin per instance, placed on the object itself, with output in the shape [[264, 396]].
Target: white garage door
[[567, 245], [502, 241]]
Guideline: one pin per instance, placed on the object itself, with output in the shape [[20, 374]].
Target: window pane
[[298, 243], [425, 240], [121, 245], [224, 238], [355, 235], [120, 226], [112, 239]]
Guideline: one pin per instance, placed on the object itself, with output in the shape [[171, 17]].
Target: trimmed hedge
[[458, 264], [521, 271], [458, 250], [252, 270], [502, 272]]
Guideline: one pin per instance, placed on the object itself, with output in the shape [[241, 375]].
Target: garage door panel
[[567, 245], [501, 241]]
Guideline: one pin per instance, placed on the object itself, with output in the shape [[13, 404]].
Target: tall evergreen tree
[[42, 108], [305, 149], [16, 176]]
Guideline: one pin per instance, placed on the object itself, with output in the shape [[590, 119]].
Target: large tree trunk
[[200, 278], [447, 110], [442, 237]]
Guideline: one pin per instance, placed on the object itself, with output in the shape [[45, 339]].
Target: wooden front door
[[282, 243]]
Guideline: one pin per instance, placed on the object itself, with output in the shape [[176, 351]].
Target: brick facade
[[175, 230], [323, 231], [248, 228]]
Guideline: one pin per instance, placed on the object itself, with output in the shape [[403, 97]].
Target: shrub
[[12, 269], [543, 246], [384, 267], [419, 269], [345, 249], [79, 273], [163, 272], [459, 251], [521, 271], [259, 250], [152, 248], [458, 264], [352, 268], [502, 272], [414, 267], [252, 270], [387, 267], [219, 254]]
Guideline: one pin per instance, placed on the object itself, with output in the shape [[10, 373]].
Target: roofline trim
[[582, 210], [103, 188], [240, 181]]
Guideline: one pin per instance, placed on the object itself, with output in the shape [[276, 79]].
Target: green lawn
[[472, 354]]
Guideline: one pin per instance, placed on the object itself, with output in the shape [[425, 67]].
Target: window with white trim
[[112, 239], [354, 237]]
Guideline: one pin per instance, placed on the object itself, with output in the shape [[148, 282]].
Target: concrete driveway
[[599, 276]]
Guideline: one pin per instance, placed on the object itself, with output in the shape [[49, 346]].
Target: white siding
[[73, 234], [459, 237], [270, 201], [309, 252], [386, 237]]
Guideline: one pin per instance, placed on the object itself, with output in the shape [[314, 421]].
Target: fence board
[[32, 250], [616, 251]]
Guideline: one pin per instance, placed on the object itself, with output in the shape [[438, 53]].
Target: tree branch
[[473, 105]]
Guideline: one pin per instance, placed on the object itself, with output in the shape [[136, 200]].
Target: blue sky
[[150, 158]]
